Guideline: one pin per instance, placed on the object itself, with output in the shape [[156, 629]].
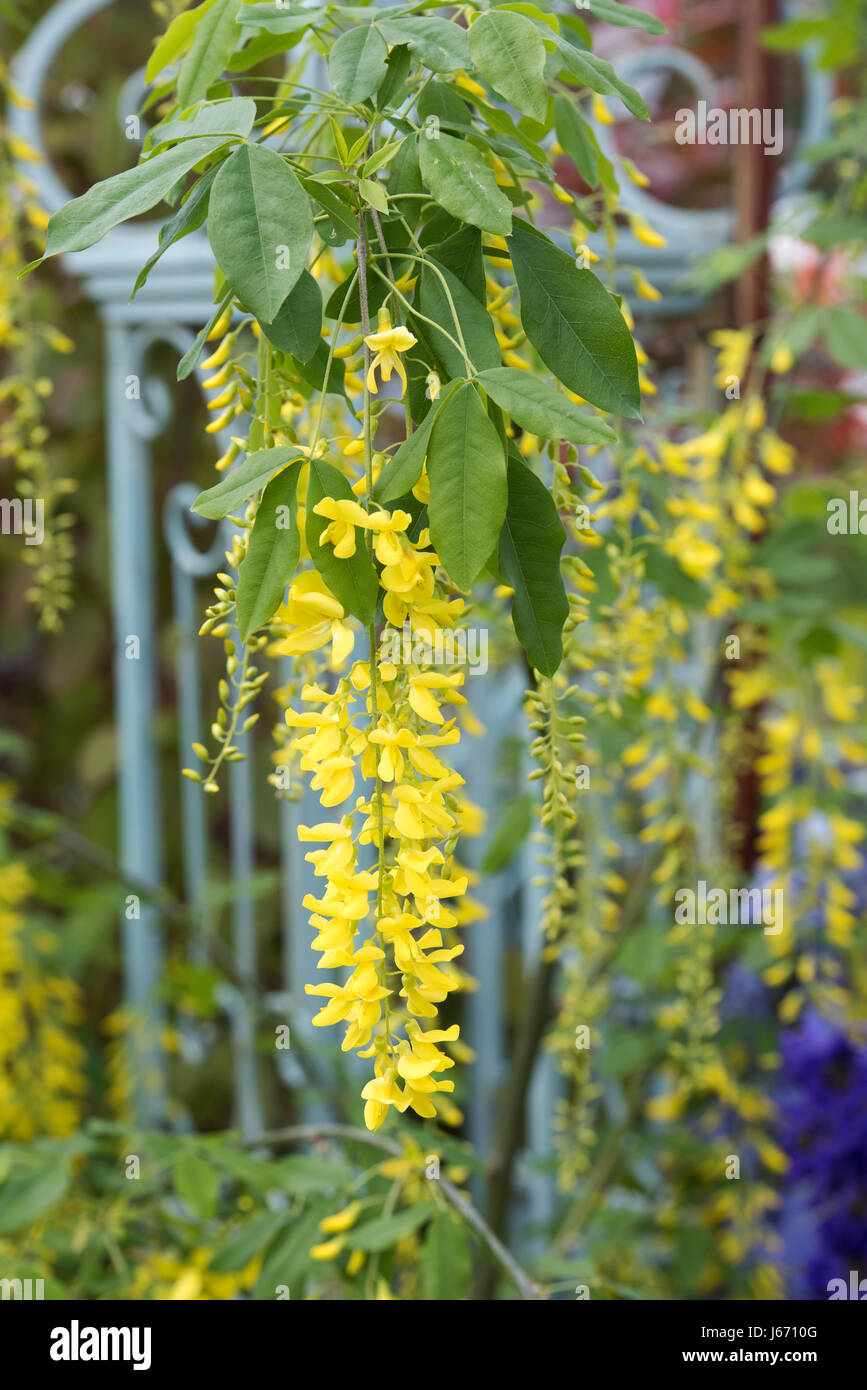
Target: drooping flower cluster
[[373, 746]]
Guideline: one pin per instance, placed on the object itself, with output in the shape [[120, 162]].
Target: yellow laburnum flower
[[343, 516], [385, 344], [317, 617], [386, 527]]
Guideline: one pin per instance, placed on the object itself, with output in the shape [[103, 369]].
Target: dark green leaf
[[530, 546], [577, 139], [356, 63], [467, 471], [297, 328], [597, 74], [536, 407], [260, 227], [272, 554], [191, 357], [189, 216], [574, 324], [403, 470], [508, 51], [242, 481], [461, 253], [461, 182], [476, 324]]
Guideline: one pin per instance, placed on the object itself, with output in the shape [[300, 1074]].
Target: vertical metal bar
[[135, 670], [247, 1092]]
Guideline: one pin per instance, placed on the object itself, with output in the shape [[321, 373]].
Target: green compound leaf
[[260, 226], [530, 545], [574, 324], [467, 470]]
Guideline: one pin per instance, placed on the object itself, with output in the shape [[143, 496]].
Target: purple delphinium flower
[[823, 1118]]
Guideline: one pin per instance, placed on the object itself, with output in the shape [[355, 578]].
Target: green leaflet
[[445, 1262], [260, 226], [277, 21], [298, 326], [189, 216], [241, 1246], [577, 139], [356, 63], [216, 36], [461, 253], [438, 43], [597, 74], [25, 1196], [508, 51], [354, 581], [242, 481], [541, 410], [846, 337], [461, 182], [530, 545], [272, 553], [191, 357], [476, 324], [403, 470], [175, 40], [627, 17], [197, 1184], [467, 470], [384, 1231], [574, 324], [85, 220], [234, 116]]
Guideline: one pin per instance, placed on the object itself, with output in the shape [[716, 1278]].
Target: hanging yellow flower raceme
[[383, 725]]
